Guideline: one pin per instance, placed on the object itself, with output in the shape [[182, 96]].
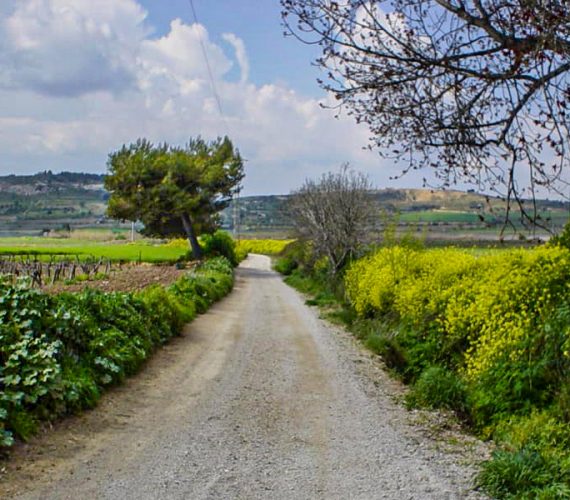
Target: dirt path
[[259, 399]]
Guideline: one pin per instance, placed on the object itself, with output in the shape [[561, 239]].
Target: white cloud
[[82, 77], [178, 56], [68, 48], [241, 54]]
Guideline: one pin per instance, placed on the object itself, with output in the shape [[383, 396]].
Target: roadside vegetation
[[485, 335], [262, 246], [58, 353]]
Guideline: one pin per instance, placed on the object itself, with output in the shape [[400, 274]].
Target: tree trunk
[[192, 239]]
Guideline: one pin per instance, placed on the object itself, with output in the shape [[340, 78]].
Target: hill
[[419, 209], [30, 204], [45, 201]]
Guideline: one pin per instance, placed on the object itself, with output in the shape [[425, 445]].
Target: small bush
[[220, 244], [285, 265], [438, 387], [525, 474]]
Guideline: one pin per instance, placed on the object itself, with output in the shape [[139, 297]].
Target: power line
[[208, 67], [235, 196]]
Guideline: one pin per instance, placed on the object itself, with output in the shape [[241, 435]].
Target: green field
[[439, 216], [47, 248]]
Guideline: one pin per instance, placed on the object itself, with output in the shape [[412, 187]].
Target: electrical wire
[[235, 197], [208, 66]]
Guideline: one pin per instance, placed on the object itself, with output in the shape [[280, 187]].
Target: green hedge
[[59, 352]]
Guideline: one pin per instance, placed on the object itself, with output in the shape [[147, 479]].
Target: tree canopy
[[174, 191], [476, 89]]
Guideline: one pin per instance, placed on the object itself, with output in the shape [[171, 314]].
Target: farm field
[[72, 264], [152, 251], [48, 248]]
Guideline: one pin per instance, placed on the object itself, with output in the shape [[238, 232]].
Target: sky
[[80, 78]]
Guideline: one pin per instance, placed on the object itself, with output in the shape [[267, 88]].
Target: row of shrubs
[[59, 352], [487, 336]]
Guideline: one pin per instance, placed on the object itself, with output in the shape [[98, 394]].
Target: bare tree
[[334, 213], [476, 89]]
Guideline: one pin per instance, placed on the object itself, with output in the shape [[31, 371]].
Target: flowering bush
[[500, 322]]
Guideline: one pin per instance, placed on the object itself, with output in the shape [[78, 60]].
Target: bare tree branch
[[469, 88], [334, 213]]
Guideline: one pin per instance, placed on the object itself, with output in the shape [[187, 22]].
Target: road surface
[[258, 399]]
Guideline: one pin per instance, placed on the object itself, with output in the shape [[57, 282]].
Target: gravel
[[259, 399]]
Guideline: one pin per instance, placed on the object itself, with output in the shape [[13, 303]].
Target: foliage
[[475, 89], [59, 352], [488, 336], [285, 265], [241, 248], [534, 461], [220, 243], [334, 213], [438, 387], [208, 283], [173, 191], [296, 255], [265, 247], [563, 238]]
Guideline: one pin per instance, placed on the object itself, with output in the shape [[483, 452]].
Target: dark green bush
[[220, 244], [438, 387], [525, 474], [285, 265], [297, 254], [533, 460]]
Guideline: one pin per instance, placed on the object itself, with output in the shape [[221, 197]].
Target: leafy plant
[[220, 243], [438, 387], [59, 352]]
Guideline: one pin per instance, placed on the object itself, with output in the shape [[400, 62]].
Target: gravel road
[[258, 399]]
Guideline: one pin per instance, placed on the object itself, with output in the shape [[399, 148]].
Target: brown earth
[[128, 277]]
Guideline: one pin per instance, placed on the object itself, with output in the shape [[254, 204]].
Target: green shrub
[[438, 387], [562, 239], [525, 474], [57, 353], [220, 244], [533, 460], [285, 265], [389, 350]]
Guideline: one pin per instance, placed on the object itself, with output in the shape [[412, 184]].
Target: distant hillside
[[442, 210], [30, 204]]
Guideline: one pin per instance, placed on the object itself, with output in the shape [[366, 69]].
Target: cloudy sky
[[78, 78]]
